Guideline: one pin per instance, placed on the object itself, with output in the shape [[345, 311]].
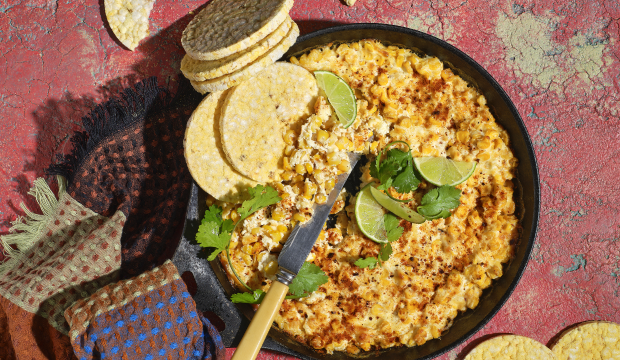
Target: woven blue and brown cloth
[[89, 278]]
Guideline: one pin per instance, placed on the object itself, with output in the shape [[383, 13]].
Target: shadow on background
[[58, 119]]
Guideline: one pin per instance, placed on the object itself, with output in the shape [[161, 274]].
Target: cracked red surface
[[557, 60]]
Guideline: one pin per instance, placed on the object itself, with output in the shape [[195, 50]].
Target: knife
[[293, 255]]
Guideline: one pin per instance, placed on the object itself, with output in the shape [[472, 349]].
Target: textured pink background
[[558, 61]]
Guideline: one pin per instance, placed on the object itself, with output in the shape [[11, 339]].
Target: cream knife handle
[[261, 323]]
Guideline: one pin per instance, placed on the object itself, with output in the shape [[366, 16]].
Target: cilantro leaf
[[370, 262], [213, 232], [309, 278], [438, 202], [391, 226], [385, 251], [261, 197], [406, 181], [395, 170], [246, 298]]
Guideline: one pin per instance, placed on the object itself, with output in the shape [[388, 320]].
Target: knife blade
[[293, 255], [302, 238]]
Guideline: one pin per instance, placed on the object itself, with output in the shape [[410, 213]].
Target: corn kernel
[[484, 144], [288, 150], [373, 145], [234, 216], [341, 143], [294, 60], [289, 137], [309, 168], [298, 178], [399, 60], [434, 332], [382, 79], [271, 268], [276, 236], [329, 184], [484, 156], [210, 200], [282, 228], [269, 228], [333, 159], [277, 215], [372, 109], [309, 189], [226, 213], [284, 195], [481, 100], [297, 188], [247, 259], [344, 167], [248, 239], [255, 231], [299, 217], [287, 175], [322, 136], [247, 249], [462, 136], [408, 68], [427, 149], [300, 169], [447, 74], [320, 199], [286, 164], [433, 121]]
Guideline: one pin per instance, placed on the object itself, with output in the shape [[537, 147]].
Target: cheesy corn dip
[[437, 268]]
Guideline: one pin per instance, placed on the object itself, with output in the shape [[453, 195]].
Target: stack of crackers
[[234, 141], [230, 41]]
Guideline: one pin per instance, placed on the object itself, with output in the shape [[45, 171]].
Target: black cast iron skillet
[[215, 288]]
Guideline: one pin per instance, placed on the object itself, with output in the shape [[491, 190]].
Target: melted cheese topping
[[437, 268]]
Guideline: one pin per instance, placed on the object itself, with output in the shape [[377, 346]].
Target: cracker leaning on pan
[[230, 41]]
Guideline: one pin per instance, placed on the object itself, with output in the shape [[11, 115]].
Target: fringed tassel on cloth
[[110, 117], [26, 230]]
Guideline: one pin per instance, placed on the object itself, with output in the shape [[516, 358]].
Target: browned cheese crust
[[438, 268]]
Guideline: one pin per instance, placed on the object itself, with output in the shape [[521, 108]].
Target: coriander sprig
[[396, 170], [216, 233]]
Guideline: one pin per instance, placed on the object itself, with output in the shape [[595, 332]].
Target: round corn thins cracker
[[591, 340], [510, 347], [225, 27], [129, 19], [257, 113], [201, 70], [239, 76], [204, 155]]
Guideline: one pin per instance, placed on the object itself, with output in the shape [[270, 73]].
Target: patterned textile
[[76, 252], [151, 316], [131, 159], [128, 186]]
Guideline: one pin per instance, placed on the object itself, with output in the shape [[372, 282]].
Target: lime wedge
[[443, 171], [397, 208], [340, 96], [369, 216]]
